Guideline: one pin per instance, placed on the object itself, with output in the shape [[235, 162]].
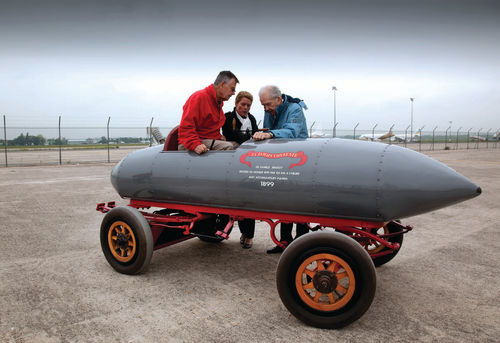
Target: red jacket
[[202, 118]]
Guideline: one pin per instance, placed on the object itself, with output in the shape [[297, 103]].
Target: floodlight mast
[[411, 120], [334, 111]]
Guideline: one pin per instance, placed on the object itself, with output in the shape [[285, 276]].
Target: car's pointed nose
[[412, 183]]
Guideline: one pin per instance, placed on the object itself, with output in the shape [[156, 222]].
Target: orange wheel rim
[[121, 241], [325, 282], [374, 247]]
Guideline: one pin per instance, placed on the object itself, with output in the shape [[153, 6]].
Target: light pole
[[411, 121], [334, 111]]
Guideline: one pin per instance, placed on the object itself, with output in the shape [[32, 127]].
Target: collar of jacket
[[235, 115], [281, 107], [290, 99], [211, 91]]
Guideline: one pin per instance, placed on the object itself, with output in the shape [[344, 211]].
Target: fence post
[[373, 132], [5, 140], [107, 129], [60, 142], [446, 138], [311, 129], [433, 135], [406, 132], [468, 137], [477, 145], [354, 133], [151, 132], [420, 139], [390, 130], [487, 134], [456, 145]]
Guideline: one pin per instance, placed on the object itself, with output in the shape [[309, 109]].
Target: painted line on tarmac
[[60, 180]]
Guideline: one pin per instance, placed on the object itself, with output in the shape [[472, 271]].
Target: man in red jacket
[[202, 116]]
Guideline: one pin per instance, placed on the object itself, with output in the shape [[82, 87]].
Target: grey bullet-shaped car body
[[315, 177]]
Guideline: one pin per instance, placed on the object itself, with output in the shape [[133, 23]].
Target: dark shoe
[[242, 239], [247, 243], [275, 250]]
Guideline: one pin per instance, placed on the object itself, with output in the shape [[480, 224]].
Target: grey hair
[[225, 76], [272, 91]]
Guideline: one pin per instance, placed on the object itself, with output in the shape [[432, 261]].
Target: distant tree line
[[25, 140], [32, 140], [125, 140]]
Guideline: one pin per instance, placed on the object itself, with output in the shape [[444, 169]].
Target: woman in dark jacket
[[240, 125]]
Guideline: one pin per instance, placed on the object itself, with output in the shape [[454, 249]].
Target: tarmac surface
[[56, 286]]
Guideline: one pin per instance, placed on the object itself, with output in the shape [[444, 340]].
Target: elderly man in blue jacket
[[283, 118]]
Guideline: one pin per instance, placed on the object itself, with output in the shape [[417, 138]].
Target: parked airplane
[[378, 137], [478, 138], [155, 133], [407, 138], [318, 134]]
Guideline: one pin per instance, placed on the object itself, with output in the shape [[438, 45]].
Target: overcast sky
[[131, 60]]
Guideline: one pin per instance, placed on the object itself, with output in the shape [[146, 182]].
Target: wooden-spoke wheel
[[326, 279], [121, 241], [325, 282], [373, 247], [126, 240]]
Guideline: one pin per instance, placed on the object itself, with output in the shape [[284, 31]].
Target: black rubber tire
[[142, 232], [343, 247], [209, 227], [392, 228]]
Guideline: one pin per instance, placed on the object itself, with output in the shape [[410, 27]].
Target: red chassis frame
[[357, 229]]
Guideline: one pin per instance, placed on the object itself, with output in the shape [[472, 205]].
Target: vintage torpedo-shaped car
[[352, 195]]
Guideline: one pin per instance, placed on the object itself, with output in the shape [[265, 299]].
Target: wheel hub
[[325, 281], [122, 241]]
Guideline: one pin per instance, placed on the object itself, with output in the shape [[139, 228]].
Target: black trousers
[[247, 227], [286, 231]]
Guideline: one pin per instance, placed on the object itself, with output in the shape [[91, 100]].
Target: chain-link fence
[[25, 146]]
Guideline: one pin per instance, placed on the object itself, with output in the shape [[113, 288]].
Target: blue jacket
[[289, 121]]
